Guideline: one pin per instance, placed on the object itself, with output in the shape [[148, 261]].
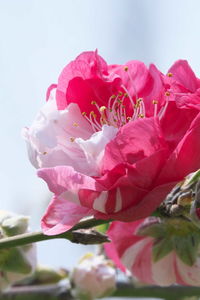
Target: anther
[[93, 114], [119, 101], [126, 68], [155, 102], [169, 74], [93, 102], [102, 108], [167, 94], [44, 153], [84, 113], [75, 124], [72, 139], [141, 116]]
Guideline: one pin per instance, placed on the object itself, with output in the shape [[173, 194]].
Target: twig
[[56, 292], [71, 235]]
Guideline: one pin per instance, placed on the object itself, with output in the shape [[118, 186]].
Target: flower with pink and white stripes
[[111, 141], [157, 252]]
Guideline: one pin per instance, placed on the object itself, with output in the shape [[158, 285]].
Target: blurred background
[[38, 38]]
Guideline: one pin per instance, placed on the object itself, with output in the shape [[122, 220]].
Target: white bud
[[94, 277]]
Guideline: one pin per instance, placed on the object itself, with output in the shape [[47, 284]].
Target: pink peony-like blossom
[[104, 141], [164, 265]]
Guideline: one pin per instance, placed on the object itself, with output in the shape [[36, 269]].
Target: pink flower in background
[[129, 250], [103, 142], [93, 277]]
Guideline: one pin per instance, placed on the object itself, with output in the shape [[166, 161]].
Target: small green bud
[[15, 225]]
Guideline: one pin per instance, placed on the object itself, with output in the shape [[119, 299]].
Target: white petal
[[129, 256], [118, 204], [189, 274], [49, 139], [100, 202], [164, 270], [94, 147]]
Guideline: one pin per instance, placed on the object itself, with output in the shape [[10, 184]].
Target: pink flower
[[109, 155], [158, 257]]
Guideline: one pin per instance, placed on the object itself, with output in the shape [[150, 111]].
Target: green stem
[[33, 237], [125, 290], [171, 292]]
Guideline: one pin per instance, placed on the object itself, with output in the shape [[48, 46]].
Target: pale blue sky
[[38, 37]]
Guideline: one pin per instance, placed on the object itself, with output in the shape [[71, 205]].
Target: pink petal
[[84, 80], [61, 215], [185, 158], [176, 122], [50, 88], [118, 246], [64, 178], [145, 205], [134, 141], [142, 261], [184, 75]]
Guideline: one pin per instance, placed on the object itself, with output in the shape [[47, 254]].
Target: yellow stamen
[[169, 74], [93, 114], [167, 94], [75, 124], [126, 68]]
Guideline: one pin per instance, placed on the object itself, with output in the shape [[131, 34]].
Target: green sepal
[[187, 247], [161, 248], [13, 260], [192, 178], [157, 230], [102, 228]]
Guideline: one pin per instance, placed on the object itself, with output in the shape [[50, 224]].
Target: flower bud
[[16, 263], [93, 277]]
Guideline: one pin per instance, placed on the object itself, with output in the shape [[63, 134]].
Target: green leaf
[[187, 247]]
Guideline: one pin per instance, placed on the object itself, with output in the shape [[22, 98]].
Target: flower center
[[121, 109]]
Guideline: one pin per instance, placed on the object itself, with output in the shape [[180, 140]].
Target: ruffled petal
[[85, 80], [61, 215], [183, 74]]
